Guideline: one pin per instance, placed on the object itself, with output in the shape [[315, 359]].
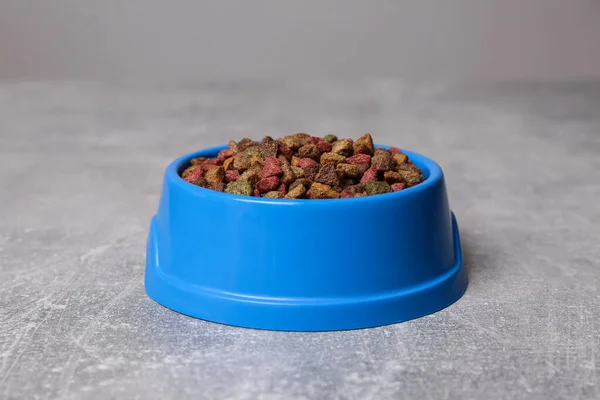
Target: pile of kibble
[[303, 166]]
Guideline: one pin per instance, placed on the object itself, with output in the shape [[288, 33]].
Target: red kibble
[[195, 175], [395, 150], [398, 186], [232, 175], [224, 155], [256, 193], [283, 189], [272, 168], [308, 193], [210, 163], [324, 147], [345, 194], [369, 176], [359, 159], [350, 140], [285, 150], [267, 184], [304, 162]]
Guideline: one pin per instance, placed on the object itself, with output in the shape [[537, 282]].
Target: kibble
[[272, 167], [240, 187], [302, 166], [343, 148], [330, 138], [376, 187], [267, 184]]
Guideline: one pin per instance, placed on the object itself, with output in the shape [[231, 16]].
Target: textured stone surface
[[81, 169]]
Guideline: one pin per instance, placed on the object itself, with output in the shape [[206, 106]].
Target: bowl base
[[303, 314]]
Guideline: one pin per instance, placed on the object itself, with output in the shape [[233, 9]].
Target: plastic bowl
[[304, 265]]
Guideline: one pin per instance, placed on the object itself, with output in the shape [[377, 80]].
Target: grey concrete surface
[[80, 172]]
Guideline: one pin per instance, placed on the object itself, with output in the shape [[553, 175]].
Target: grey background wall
[[196, 39]]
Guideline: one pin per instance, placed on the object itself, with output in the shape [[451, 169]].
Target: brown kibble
[[335, 158], [251, 175], [288, 174], [215, 176], [247, 157], [311, 171], [350, 171], [274, 194], [257, 158], [244, 144], [241, 162], [197, 160], [295, 161], [392, 177], [228, 164], [296, 140], [310, 150], [233, 146], [382, 160], [400, 158], [297, 192], [364, 145], [269, 148], [321, 191], [219, 187], [354, 189], [201, 182], [408, 167], [301, 182], [298, 171], [363, 168], [411, 178], [327, 175], [343, 147]]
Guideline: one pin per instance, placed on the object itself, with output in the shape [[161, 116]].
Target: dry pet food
[[301, 166]]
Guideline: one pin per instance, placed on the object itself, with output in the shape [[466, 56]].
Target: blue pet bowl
[[304, 265]]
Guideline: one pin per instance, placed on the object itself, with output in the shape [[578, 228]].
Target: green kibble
[[375, 187], [240, 187], [330, 138]]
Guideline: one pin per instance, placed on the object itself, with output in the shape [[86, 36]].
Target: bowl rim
[[172, 177]]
